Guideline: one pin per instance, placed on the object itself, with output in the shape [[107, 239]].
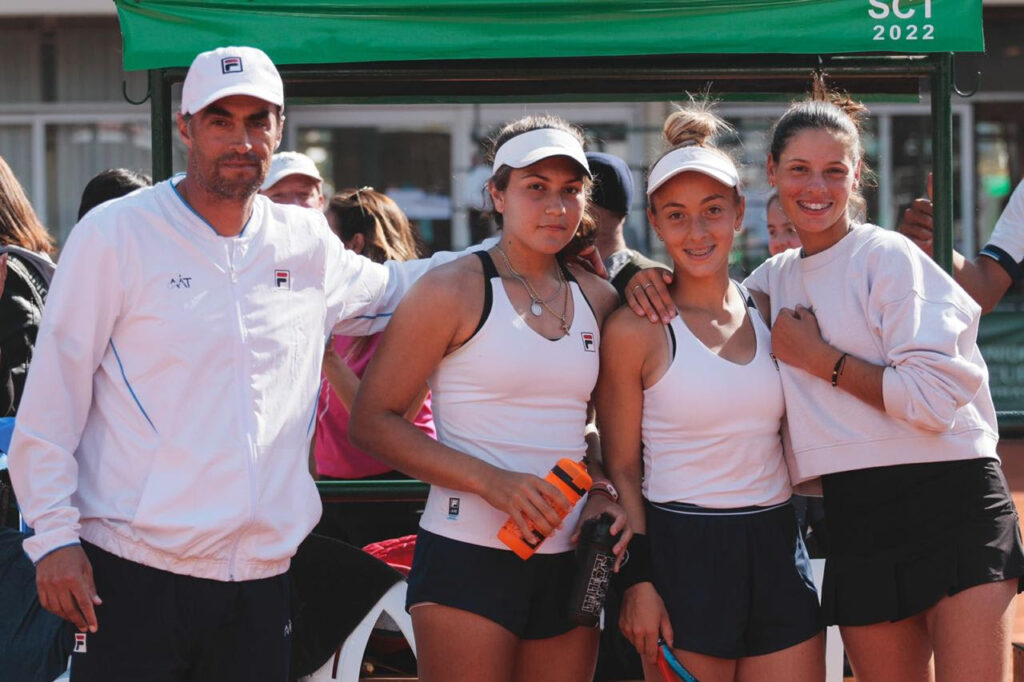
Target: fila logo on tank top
[[514, 399]]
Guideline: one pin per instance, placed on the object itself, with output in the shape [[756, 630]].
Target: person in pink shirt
[[371, 224]]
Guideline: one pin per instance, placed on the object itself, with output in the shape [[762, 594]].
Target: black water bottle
[[594, 564]]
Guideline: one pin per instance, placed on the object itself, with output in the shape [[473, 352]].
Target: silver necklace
[[536, 302]]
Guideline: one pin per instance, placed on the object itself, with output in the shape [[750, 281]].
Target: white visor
[[693, 158], [536, 145]]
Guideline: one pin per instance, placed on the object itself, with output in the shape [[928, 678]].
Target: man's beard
[[232, 190]]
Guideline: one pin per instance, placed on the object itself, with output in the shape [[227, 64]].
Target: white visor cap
[[536, 145], [693, 158], [284, 164], [229, 71]]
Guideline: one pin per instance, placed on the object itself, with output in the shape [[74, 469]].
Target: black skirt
[[735, 582], [903, 537]]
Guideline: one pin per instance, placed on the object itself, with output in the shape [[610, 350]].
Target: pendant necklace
[[537, 304]]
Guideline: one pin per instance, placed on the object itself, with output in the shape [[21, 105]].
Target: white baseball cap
[[230, 71], [693, 158], [284, 164], [536, 145]]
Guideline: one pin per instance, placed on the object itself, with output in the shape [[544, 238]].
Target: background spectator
[[27, 246], [373, 225], [111, 184], [294, 179]]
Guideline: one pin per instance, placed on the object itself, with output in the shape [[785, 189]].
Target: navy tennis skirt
[[903, 537], [735, 582]]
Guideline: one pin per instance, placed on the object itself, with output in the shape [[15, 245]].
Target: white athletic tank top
[[517, 401], [711, 427]]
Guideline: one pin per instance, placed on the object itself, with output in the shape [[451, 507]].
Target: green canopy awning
[[169, 33]]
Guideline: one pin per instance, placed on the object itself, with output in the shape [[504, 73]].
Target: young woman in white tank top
[[690, 418], [508, 343]]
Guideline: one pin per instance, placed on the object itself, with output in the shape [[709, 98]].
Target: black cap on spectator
[[613, 183]]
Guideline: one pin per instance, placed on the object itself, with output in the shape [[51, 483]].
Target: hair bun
[[821, 92], [692, 124]]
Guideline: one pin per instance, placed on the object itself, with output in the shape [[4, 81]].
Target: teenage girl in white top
[[889, 402], [508, 341], [690, 424]]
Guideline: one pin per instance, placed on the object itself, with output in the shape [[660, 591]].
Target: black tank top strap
[[745, 293], [570, 278], [565, 271], [490, 272]]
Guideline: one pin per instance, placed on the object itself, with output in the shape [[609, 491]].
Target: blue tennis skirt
[[736, 582], [529, 598]]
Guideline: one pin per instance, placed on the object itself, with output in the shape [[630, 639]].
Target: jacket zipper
[[243, 352]]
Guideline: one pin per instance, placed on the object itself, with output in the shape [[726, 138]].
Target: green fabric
[[169, 33]]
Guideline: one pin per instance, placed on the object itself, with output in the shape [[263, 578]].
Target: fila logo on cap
[[231, 65], [283, 278], [588, 342]]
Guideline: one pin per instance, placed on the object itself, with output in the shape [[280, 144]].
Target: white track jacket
[[169, 407]]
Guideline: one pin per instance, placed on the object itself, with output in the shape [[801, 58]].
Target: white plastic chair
[[345, 664], [833, 641]]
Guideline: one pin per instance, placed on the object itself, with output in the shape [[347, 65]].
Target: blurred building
[[64, 117]]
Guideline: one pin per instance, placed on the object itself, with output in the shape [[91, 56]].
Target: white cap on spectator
[[693, 158], [290, 163], [230, 71]]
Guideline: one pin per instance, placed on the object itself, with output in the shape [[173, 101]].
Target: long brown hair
[[385, 228], [19, 224], [387, 233]]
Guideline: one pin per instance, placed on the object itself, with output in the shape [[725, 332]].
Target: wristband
[[837, 370], [636, 565], [605, 488]]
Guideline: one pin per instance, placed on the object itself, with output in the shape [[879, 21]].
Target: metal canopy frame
[[618, 78]]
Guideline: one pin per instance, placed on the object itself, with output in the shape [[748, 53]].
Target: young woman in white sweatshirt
[[888, 404]]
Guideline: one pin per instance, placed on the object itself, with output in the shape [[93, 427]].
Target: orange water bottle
[[573, 480]]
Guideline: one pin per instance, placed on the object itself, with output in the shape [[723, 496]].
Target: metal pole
[[968, 234], [161, 124], [886, 178], [942, 160]]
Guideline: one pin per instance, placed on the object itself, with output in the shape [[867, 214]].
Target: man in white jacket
[[160, 451]]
